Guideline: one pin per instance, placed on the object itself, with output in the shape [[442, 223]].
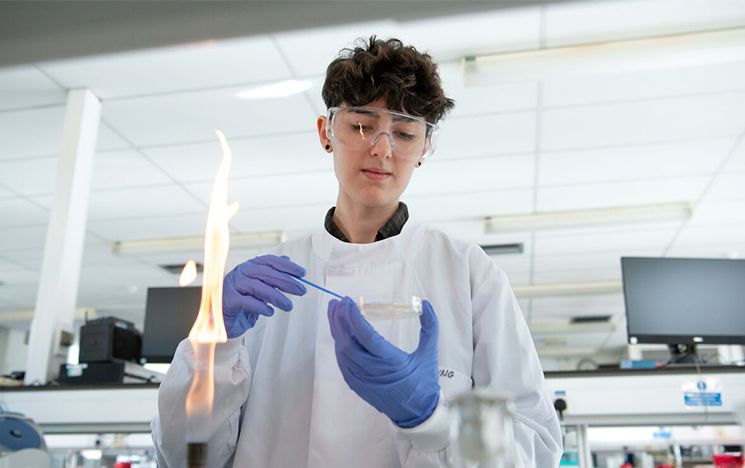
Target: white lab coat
[[281, 401]]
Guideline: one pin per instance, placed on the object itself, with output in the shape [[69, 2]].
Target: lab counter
[[597, 398]]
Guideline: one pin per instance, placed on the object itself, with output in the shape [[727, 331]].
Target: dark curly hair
[[406, 77]]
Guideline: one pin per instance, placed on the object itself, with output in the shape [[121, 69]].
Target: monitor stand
[[683, 354]]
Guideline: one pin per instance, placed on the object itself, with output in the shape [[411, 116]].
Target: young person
[[319, 386]]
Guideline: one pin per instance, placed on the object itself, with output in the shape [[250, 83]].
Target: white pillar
[[63, 250]]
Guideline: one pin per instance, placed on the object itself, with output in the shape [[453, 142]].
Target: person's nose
[[382, 147]]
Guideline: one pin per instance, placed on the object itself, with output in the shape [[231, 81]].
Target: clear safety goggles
[[359, 128]]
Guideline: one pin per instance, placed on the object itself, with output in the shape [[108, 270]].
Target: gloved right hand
[[251, 286]]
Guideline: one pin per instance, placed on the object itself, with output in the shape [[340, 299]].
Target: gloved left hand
[[402, 386]]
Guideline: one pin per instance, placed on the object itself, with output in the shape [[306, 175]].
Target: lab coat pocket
[[454, 381]]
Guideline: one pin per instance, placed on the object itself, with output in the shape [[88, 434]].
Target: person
[[318, 385]]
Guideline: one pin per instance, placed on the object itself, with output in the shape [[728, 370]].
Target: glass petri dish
[[387, 308]]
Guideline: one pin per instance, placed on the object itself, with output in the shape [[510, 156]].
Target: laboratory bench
[[599, 398]]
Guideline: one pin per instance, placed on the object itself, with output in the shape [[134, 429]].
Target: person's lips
[[376, 174]]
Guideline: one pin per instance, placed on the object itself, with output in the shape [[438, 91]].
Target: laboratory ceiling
[[541, 143]]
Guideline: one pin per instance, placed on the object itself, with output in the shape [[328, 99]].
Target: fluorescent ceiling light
[[665, 52], [81, 313], [589, 217], [568, 289], [196, 243], [276, 90]]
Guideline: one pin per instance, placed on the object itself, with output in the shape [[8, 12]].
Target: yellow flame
[[362, 133], [188, 274], [209, 329]]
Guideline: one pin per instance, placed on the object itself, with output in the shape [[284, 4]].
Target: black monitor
[[684, 301], [169, 316]]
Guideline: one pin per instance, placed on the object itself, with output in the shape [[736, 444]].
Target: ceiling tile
[[489, 135], [583, 22], [200, 65], [27, 258], [25, 86], [11, 275], [97, 251], [662, 120], [600, 195], [151, 228], [633, 162], [118, 169], [38, 132], [125, 272], [602, 273], [275, 191], [128, 168], [143, 202], [642, 85], [735, 249], [727, 187], [22, 238], [472, 175], [30, 176], [21, 212], [736, 162], [327, 42], [23, 296], [191, 117], [5, 193], [718, 213], [601, 261], [459, 206], [271, 155], [614, 241], [297, 217], [476, 100], [508, 30], [715, 237]]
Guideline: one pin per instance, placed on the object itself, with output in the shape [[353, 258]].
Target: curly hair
[[407, 78]]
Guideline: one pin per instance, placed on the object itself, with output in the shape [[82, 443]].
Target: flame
[[209, 329], [188, 274]]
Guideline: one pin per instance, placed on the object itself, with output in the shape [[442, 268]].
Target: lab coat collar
[[393, 249]]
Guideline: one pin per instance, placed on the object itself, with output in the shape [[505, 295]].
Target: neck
[[361, 223]]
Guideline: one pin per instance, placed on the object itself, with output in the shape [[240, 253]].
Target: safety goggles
[[359, 128]]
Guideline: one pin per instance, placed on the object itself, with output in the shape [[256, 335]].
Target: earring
[[419, 164], [328, 147]]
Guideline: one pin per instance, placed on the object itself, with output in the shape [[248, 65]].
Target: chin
[[376, 198]]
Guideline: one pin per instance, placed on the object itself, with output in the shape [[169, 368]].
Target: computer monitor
[[169, 316], [684, 301]]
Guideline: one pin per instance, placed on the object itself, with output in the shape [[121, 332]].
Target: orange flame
[[209, 329], [188, 274]]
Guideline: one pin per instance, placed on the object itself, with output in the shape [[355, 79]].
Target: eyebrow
[[376, 115]]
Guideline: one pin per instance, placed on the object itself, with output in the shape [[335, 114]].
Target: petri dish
[[379, 308]]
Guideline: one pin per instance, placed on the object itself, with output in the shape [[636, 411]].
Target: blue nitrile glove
[[251, 286], [402, 386]]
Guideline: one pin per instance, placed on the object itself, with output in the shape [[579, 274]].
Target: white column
[[63, 251]]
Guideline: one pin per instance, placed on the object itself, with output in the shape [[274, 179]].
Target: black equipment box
[[109, 338], [115, 372]]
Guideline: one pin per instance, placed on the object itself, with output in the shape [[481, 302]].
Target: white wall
[[13, 350]]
